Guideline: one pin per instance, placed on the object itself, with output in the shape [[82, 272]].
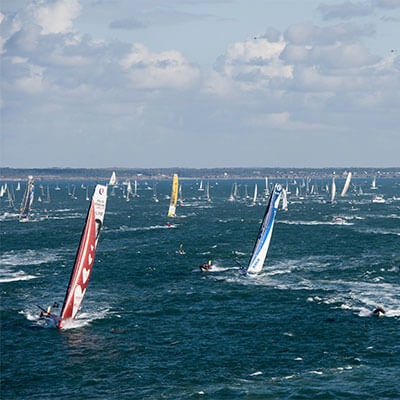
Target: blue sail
[[265, 232]]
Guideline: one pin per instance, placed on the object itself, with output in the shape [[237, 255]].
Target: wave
[[125, 228], [13, 276], [378, 231], [8, 216], [314, 222], [28, 257], [83, 319]]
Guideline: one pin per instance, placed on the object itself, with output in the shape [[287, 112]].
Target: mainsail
[[113, 179], [333, 190], [255, 194], [346, 185], [284, 200], [84, 256], [264, 234], [27, 199], [174, 197]]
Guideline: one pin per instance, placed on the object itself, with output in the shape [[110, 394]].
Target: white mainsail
[[284, 200], [113, 179], [346, 185], [265, 232], [201, 186], [208, 191], [373, 186], [128, 191], [333, 190], [27, 199], [266, 187], [255, 194]]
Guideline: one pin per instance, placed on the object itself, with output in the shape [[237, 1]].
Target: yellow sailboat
[[174, 197]]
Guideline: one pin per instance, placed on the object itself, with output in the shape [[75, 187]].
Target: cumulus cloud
[[56, 16], [254, 63], [168, 69]]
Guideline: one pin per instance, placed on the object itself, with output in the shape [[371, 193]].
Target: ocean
[[153, 326]]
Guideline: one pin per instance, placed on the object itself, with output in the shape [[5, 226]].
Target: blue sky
[[197, 83]]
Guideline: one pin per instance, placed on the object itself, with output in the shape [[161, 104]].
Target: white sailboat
[[346, 185], [113, 179], [84, 259], [18, 187], [255, 195], [333, 190], [266, 187], [27, 200], [201, 186], [373, 186], [208, 191], [284, 200], [10, 198], [135, 193], [128, 190], [265, 233]]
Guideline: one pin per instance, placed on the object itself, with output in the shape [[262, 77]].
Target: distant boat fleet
[[94, 221]]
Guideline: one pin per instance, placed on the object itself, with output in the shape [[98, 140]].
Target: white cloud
[[253, 64], [167, 69], [56, 16]]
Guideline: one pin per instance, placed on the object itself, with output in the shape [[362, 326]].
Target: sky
[[200, 83]]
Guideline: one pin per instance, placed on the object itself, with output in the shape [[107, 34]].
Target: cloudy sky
[[200, 83]]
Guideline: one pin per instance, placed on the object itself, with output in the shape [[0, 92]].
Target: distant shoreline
[[99, 174]]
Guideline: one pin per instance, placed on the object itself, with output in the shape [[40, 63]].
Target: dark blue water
[[152, 326]]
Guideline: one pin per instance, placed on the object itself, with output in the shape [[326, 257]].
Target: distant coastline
[[98, 174]]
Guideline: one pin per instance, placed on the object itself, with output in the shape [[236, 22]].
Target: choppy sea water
[[153, 326]]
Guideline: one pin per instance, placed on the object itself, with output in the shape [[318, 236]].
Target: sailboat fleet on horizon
[[94, 221]]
